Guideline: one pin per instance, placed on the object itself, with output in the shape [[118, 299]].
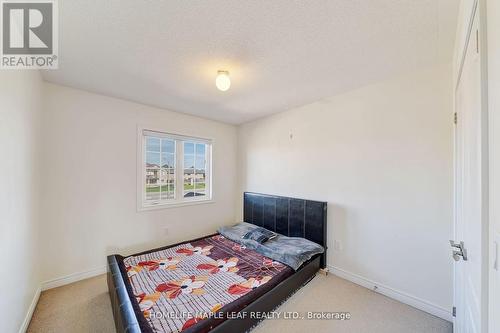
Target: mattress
[[196, 285]]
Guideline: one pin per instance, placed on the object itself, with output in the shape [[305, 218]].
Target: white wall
[[493, 21], [89, 184], [382, 158], [19, 131]]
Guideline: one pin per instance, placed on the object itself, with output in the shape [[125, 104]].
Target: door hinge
[[455, 118], [454, 311]]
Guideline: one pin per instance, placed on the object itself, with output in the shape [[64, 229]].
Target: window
[[174, 169]]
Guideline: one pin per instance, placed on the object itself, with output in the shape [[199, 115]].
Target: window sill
[[175, 205]]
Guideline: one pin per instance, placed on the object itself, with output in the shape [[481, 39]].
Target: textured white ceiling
[[280, 53]]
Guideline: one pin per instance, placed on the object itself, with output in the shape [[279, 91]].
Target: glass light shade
[[223, 82]]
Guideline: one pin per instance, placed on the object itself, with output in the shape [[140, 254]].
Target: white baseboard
[[31, 309], [362, 281], [394, 294], [61, 281]]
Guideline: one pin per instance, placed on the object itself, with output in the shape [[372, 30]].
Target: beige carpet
[[85, 307]]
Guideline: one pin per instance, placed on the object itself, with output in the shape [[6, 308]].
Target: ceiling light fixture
[[222, 81]]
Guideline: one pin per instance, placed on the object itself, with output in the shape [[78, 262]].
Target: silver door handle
[[459, 251]]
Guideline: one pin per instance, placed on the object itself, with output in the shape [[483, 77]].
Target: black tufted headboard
[[288, 216]]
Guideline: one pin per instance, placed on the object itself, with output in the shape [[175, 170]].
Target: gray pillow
[[260, 235], [237, 231], [292, 251]]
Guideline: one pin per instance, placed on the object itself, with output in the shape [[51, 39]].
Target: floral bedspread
[[195, 285]]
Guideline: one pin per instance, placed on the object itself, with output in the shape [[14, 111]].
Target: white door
[[469, 188], [493, 17]]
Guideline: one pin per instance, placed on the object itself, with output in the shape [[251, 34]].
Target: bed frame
[[288, 216]]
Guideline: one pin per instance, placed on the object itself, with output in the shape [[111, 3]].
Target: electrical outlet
[[337, 245], [165, 231]]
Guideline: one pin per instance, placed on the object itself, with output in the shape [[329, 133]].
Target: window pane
[[188, 161], [200, 162], [160, 169], [153, 193], [189, 176], [188, 148], [167, 192], [200, 149], [200, 176], [152, 176], [167, 196], [199, 189], [152, 159], [167, 160], [167, 146], [189, 180], [152, 144], [167, 176]]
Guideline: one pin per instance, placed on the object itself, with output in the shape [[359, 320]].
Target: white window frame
[[179, 200]]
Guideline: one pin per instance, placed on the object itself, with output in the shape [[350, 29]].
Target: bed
[[253, 283]]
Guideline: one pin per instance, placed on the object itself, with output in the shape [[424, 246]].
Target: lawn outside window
[[173, 170]]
